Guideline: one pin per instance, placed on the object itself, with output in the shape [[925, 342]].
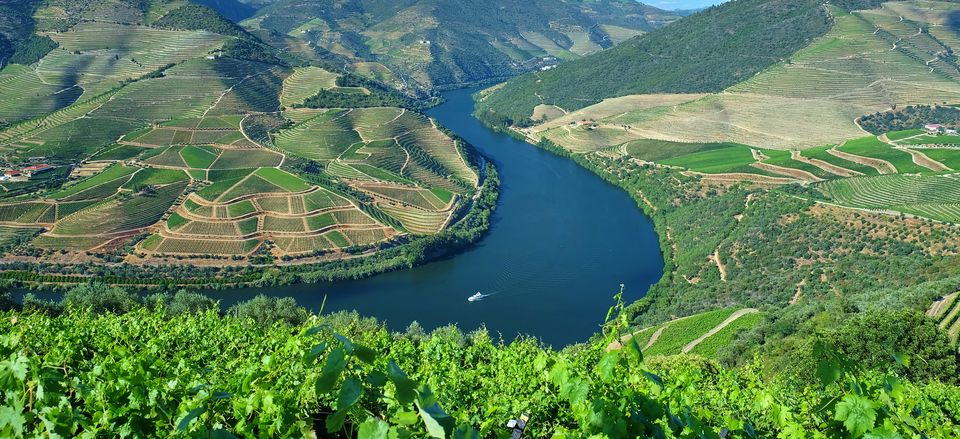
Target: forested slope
[[705, 52]]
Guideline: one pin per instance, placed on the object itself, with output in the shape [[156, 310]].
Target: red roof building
[[37, 168]]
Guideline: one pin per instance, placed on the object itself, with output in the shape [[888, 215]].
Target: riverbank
[[399, 254]]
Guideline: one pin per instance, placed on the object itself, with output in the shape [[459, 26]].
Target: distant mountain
[[422, 44], [232, 9], [705, 52]]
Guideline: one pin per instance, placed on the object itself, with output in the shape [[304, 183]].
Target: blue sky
[[682, 4]]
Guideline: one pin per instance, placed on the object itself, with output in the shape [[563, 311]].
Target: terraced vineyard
[[946, 311], [414, 173], [936, 197], [700, 334], [192, 146], [907, 172]]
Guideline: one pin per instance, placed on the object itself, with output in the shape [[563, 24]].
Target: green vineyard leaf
[[857, 413]]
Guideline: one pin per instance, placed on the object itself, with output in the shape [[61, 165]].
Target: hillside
[[870, 61], [163, 133], [16, 25], [705, 52], [421, 44], [232, 9]]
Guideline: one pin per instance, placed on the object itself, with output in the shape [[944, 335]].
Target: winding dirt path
[[733, 317], [741, 176], [798, 174], [921, 159], [715, 257], [826, 166], [882, 166]]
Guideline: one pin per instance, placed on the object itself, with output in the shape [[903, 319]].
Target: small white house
[[933, 128]]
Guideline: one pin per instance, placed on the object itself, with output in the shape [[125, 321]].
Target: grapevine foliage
[[145, 373]]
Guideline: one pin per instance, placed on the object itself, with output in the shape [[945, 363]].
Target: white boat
[[475, 297]]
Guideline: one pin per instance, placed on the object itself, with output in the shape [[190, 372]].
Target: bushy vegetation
[[31, 49], [176, 366], [252, 50], [378, 95], [192, 16], [910, 117], [705, 52]]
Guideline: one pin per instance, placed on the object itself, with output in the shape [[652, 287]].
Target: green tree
[[269, 310], [874, 337], [101, 298]]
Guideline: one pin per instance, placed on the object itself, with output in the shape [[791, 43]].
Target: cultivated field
[[166, 136], [936, 196], [946, 312], [700, 334]]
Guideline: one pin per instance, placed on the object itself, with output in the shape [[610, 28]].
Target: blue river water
[[562, 241]]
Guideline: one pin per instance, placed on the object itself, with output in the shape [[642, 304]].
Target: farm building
[[933, 128], [36, 169]]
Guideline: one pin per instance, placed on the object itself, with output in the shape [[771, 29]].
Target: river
[[561, 242]]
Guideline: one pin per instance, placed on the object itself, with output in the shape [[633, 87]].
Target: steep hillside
[[231, 9], [869, 61], [706, 52], [16, 25], [166, 132], [432, 43]]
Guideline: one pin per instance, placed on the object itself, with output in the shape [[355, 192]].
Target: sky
[[681, 4]]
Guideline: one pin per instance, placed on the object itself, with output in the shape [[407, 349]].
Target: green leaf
[[347, 344], [314, 353], [377, 379], [406, 388], [334, 366], [654, 378], [902, 359], [466, 432], [607, 365], [439, 423], [222, 434], [883, 433], [828, 372], [373, 428], [184, 423], [365, 354], [406, 418], [633, 348], [349, 393], [857, 413], [336, 420], [12, 421], [314, 330]]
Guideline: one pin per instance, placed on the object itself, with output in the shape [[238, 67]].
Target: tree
[[270, 310], [184, 302], [101, 298], [872, 338]]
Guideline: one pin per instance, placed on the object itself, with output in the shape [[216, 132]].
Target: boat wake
[[479, 296]]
